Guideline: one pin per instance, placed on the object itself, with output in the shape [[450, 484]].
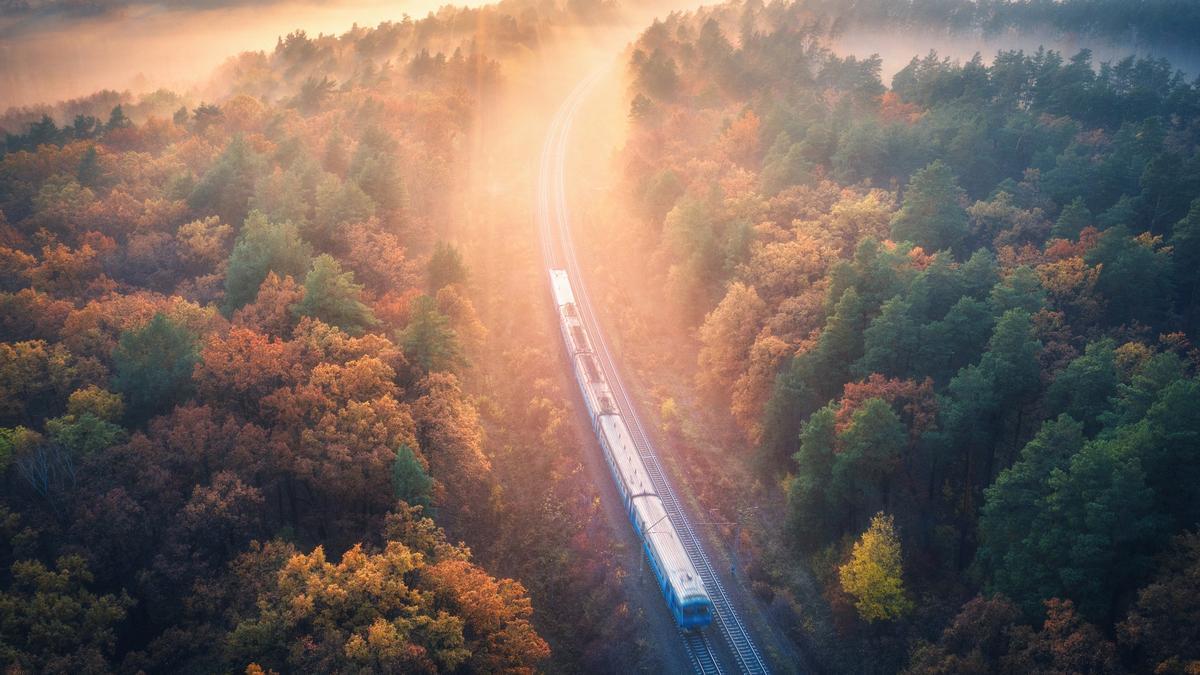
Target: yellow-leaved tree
[[873, 575]]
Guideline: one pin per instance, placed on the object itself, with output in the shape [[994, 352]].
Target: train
[[681, 585]]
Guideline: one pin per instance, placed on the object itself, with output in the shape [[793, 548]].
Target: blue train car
[[677, 577]]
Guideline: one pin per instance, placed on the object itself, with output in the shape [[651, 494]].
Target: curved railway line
[[559, 252]]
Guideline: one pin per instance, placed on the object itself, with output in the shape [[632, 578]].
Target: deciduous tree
[[873, 575]]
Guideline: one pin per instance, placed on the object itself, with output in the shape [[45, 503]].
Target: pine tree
[[332, 296], [153, 366], [429, 341], [410, 478], [263, 247], [932, 216]]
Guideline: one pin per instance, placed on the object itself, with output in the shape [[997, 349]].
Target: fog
[[144, 47], [896, 48], [138, 48]]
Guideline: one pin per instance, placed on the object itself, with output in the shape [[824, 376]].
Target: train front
[[695, 612]]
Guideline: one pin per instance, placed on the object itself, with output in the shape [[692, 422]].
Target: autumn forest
[[908, 327]]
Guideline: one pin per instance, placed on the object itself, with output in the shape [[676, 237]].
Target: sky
[[59, 49]]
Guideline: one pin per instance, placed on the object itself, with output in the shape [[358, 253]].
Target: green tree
[[1167, 443], [228, 185], [446, 267], [1014, 503], [810, 514], [657, 74], [1091, 538], [16, 441], [153, 366], [931, 215], [261, 248], [1135, 277], [117, 120], [337, 203], [286, 195], [84, 434], [860, 153], [428, 340], [890, 342], [955, 340], [793, 398], [1072, 219], [1145, 384], [985, 409], [874, 573], [332, 296], [1021, 289], [1185, 264], [1011, 361], [90, 174], [840, 344], [376, 170], [871, 448], [410, 478], [1083, 389]]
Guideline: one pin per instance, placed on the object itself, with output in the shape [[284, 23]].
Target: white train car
[[681, 585]]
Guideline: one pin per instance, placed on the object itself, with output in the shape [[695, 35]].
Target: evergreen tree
[[428, 340], [332, 296], [446, 267], [228, 185], [1135, 277], [890, 342], [871, 448], [263, 247], [1014, 502], [1071, 221], [932, 215], [810, 513], [410, 478], [153, 367], [1084, 388], [90, 173], [1185, 265], [117, 120]]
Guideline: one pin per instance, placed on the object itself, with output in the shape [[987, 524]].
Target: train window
[[607, 406], [579, 337], [592, 370], [696, 610]]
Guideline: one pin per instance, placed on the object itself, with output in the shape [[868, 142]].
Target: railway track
[[554, 218]]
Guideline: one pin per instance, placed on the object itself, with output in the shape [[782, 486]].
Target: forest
[[241, 381], [280, 391], [952, 319]]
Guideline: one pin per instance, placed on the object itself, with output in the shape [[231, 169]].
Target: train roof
[[670, 552], [653, 523], [561, 283], [625, 454], [600, 398]]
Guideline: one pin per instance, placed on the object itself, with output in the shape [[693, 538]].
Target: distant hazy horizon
[[46, 59]]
